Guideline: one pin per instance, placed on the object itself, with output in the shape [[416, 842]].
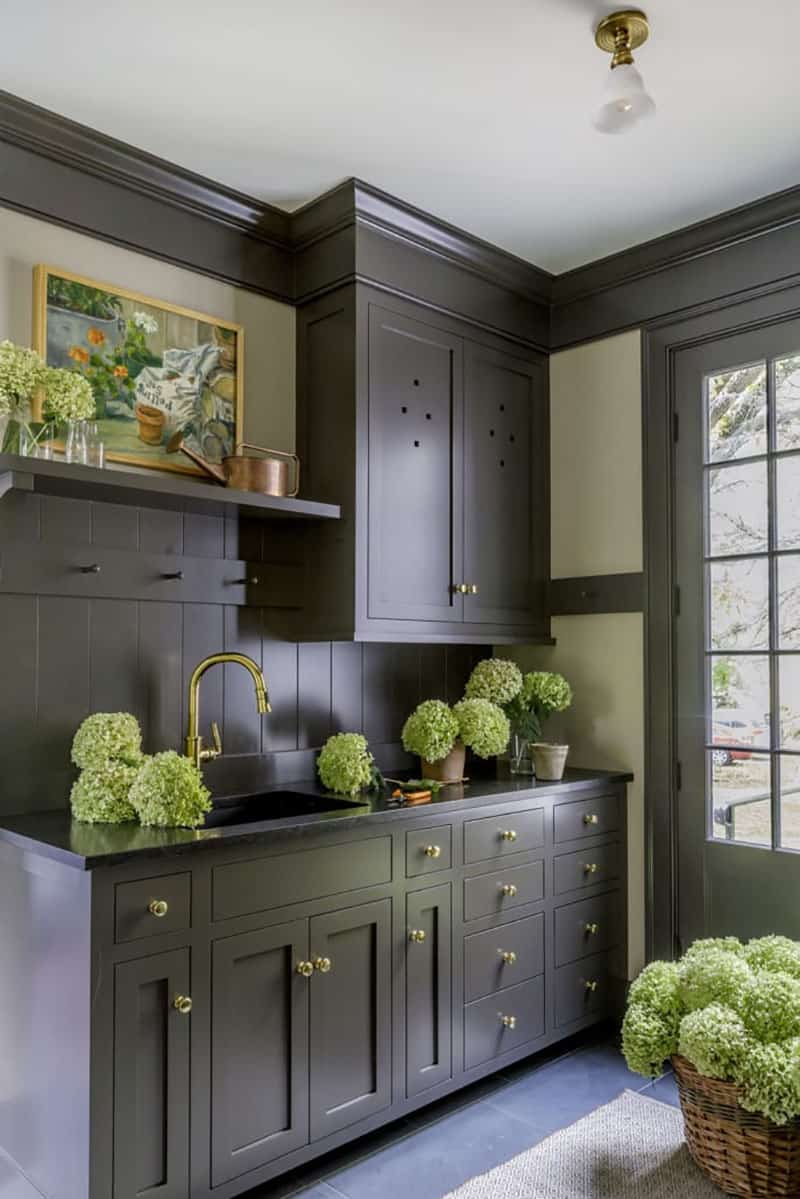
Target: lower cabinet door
[[350, 1026], [259, 1048], [151, 1076], [429, 1055]]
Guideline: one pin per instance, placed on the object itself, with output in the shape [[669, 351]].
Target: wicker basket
[[742, 1152]]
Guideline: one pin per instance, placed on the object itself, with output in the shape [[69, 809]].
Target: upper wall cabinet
[[435, 445]]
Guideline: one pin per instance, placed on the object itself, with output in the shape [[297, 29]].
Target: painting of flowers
[[154, 368]]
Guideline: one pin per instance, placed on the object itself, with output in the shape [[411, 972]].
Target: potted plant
[[727, 1016], [542, 693], [440, 735]]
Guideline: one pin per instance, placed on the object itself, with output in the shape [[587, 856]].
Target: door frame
[[661, 343]]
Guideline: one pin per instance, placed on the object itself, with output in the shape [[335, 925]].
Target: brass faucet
[[194, 742]]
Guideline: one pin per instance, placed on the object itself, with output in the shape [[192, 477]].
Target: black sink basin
[[271, 805]]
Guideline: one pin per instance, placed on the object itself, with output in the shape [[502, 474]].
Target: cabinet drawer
[[486, 896], [496, 836], [487, 970], [485, 1034], [585, 868], [588, 927], [152, 906], [589, 818], [584, 989], [271, 882], [428, 850]]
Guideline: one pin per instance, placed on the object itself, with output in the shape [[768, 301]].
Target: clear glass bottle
[[519, 754], [75, 448], [95, 446]]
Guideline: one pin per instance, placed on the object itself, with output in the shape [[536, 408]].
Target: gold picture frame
[[154, 367]]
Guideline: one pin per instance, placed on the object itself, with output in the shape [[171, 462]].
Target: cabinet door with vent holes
[[415, 459], [505, 512]]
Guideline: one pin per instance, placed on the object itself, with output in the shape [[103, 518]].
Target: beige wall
[[595, 417], [269, 326]]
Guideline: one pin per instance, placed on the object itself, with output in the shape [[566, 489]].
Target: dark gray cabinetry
[[429, 1015]]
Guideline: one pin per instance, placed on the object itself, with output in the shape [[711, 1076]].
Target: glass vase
[[519, 754], [75, 448]]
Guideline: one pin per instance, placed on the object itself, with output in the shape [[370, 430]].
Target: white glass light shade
[[625, 101]]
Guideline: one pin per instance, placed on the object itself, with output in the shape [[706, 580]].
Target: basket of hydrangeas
[[727, 1016]]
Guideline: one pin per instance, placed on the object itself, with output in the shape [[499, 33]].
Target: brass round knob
[[433, 851], [323, 965], [182, 1004], [590, 868], [417, 934], [592, 929], [508, 834], [306, 969], [158, 907], [590, 984], [509, 889], [508, 956], [473, 589], [591, 818], [508, 1022]]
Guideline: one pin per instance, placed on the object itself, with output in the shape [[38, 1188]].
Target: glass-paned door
[[737, 633]]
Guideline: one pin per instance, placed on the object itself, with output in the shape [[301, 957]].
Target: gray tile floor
[[430, 1153]]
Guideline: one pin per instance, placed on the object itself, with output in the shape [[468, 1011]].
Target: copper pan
[[268, 475]]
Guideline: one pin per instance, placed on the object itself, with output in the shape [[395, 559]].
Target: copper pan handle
[[248, 445]]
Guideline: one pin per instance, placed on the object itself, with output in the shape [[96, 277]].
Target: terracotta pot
[[446, 770], [151, 424], [549, 760]]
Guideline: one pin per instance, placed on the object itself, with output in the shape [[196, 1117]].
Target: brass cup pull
[[591, 818], [509, 889], [590, 868], [509, 1022], [433, 851], [323, 965], [158, 907], [591, 929], [508, 834], [182, 1004], [417, 934], [306, 969], [591, 985], [508, 956]]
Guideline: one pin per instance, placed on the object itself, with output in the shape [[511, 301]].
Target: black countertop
[[56, 835]]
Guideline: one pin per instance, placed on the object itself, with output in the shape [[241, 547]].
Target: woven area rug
[[632, 1148]]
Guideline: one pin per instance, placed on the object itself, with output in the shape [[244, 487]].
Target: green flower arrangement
[[482, 726], [495, 679], [345, 764], [431, 730], [169, 791], [67, 396], [542, 693], [22, 372], [107, 737], [733, 1011], [100, 794]]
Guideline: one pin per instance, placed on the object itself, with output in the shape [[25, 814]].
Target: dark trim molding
[[594, 594]]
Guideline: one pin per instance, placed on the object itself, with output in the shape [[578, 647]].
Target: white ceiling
[[479, 112]]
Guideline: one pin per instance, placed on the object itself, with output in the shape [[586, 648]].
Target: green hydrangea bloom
[[647, 1040], [107, 737], [712, 976], [483, 726], [729, 944], [495, 679], [169, 791], [21, 372], [431, 730], [68, 395], [714, 1039], [345, 764], [100, 795], [769, 1004], [774, 954], [767, 1075], [658, 988]]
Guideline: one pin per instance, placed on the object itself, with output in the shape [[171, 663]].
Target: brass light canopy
[[620, 33], [625, 99]]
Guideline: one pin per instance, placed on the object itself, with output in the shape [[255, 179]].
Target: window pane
[[790, 802], [737, 413], [787, 401], [789, 601], [740, 797], [739, 705], [789, 682], [740, 604], [737, 506], [788, 487]]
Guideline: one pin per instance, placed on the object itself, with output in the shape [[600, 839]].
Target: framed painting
[[155, 368]]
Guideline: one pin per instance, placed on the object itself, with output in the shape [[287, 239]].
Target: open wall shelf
[[153, 490]]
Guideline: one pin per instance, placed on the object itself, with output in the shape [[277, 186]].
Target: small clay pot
[[549, 761], [449, 769], [151, 424]]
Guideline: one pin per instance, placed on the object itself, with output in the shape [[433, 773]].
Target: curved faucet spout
[[194, 742]]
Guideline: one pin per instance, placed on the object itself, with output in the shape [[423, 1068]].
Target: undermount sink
[[271, 805]]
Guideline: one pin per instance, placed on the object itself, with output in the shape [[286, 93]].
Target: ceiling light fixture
[[625, 102]]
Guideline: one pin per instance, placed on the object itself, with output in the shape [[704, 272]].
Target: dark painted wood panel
[[115, 526], [597, 593], [314, 693], [280, 666], [242, 723], [63, 694], [429, 1011], [20, 755], [347, 706], [203, 634], [161, 672], [114, 681]]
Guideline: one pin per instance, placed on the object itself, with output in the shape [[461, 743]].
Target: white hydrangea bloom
[[145, 322]]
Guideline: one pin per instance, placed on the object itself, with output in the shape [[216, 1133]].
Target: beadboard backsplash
[[73, 643]]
